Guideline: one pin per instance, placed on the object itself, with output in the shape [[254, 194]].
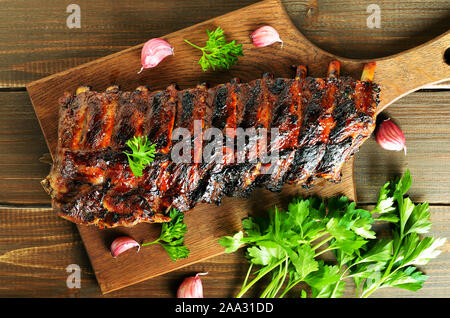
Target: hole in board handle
[[447, 56]]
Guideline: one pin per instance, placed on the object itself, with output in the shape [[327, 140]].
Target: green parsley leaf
[[142, 154], [418, 222], [406, 207], [358, 220], [265, 255], [409, 278], [385, 201], [175, 228], [172, 236], [176, 252], [324, 281], [391, 192], [232, 243], [418, 251], [348, 246], [380, 252], [305, 221], [402, 185], [217, 53], [388, 217], [304, 262]]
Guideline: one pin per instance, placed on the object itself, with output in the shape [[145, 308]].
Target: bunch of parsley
[[286, 245]]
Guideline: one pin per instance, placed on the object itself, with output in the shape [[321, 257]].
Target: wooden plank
[[36, 41], [37, 246], [41, 44], [21, 146], [35, 249]]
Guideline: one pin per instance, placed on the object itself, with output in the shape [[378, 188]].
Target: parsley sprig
[[398, 257], [142, 154], [172, 236], [286, 245], [217, 53]]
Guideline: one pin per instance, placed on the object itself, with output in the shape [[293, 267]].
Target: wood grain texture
[[35, 249], [21, 146], [340, 26], [406, 72], [36, 41]]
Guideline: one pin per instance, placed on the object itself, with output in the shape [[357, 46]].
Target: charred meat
[[319, 124]]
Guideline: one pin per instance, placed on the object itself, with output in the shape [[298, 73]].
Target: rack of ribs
[[320, 123]]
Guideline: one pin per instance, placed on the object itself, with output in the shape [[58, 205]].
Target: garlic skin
[[122, 244], [264, 36], [154, 51], [191, 287], [390, 137]]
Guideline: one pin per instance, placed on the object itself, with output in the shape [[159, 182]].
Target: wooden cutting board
[[397, 76]]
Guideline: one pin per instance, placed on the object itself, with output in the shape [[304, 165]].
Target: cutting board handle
[[413, 69], [397, 75]]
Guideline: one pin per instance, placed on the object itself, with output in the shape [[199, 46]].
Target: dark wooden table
[[36, 246]]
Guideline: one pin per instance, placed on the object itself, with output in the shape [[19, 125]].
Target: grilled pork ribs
[[320, 123]]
